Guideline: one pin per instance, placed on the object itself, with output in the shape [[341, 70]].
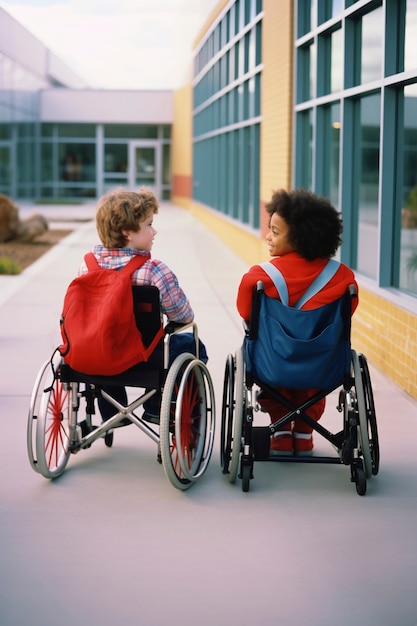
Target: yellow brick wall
[[387, 336], [277, 99]]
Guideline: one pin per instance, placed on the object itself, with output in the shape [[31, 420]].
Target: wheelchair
[[63, 401], [242, 442]]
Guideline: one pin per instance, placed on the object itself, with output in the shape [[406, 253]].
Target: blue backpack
[[296, 348]]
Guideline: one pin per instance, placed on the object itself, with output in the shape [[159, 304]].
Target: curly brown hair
[[314, 225], [123, 210]]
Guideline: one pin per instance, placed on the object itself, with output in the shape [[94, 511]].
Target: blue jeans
[[179, 343]]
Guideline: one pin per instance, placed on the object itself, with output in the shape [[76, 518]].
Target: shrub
[[7, 266]]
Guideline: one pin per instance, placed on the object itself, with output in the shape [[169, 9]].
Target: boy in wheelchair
[[304, 233], [105, 352], [124, 221]]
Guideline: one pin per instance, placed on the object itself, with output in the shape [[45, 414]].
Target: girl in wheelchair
[[304, 233]]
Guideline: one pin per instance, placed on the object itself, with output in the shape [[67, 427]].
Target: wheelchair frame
[[242, 442], [56, 429]]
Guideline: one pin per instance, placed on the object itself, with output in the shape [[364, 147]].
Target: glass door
[[144, 166]]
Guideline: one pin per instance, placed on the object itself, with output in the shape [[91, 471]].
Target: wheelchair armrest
[[173, 328], [252, 332]]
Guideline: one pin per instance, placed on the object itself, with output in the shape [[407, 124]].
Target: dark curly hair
[[121, 210], [314, 225]]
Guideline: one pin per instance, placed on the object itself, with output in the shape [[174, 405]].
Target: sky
[[128, 44]]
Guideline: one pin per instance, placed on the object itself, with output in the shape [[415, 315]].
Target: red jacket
[[299, 274]]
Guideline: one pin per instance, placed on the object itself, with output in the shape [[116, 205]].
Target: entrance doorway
[[145, 166]]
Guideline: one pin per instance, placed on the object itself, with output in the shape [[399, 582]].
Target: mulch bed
[[24, 254]]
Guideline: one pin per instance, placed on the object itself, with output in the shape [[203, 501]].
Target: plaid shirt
[[174, 302]]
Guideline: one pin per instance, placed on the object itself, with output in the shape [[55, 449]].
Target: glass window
[[303, 17], [166, 165], [337, 7], [410, 50], [77, 162], [372, 46], [130, 131], [303, 74], [76, 130], [331, 139], [115, 157], [5, 131], [47, 130], [368, 220], [47, 162], [304, 164], [313, 14], [336, 71], [5, 169], [408, 255]]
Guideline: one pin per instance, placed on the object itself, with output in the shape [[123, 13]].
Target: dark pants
[[179, 343]]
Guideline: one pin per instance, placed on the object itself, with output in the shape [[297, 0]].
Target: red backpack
[[98, 324]]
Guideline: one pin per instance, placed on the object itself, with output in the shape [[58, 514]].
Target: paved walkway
[[112, 542]]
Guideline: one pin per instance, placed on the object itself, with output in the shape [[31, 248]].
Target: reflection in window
[[372, 45], [337, 7], [77, 163], [115, 158], [313, 64], [336, 76], [304, 164], [408, 258], [368, 220], [410, 50], [334, 152]]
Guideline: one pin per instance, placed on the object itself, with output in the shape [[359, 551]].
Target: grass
[[7, 266]]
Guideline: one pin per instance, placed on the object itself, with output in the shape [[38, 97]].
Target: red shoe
[[281, 443], [303, 444]]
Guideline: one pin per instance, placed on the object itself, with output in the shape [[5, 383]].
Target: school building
[[320, 94]]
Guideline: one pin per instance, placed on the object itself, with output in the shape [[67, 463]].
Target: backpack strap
[[322, 279], [278, 280], [91, 262], [134, 264]]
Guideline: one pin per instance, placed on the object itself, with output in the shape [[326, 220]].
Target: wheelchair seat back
[[297, 348], [148, 318]]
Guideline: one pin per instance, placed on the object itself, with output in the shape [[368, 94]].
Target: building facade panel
[[338, 87]]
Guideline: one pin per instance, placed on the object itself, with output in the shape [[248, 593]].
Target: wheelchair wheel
[[50, 408], [359, 478], [371, 414], [35, 399], [363, 429], [187, 421], [226, 432], [236, 425]]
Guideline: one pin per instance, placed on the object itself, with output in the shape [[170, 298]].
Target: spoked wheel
[[236, 415], [50, 410], [228, 407], [363, 430], [371, 414], [187, 421]]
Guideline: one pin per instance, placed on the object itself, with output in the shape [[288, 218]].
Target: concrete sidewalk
[[112, 541]]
